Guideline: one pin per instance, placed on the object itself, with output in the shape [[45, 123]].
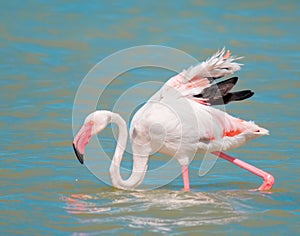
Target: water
[[46, 50]]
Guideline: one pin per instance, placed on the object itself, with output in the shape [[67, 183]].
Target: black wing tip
[[237, 96], [218, 94], [78, 154], [234, 79], [242, 95]]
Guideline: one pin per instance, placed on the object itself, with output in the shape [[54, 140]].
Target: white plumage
[[179, 122]]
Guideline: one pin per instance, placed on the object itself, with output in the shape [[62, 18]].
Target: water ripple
[[157, 210]]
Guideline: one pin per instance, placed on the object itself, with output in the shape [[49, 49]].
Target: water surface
[[46, 50]]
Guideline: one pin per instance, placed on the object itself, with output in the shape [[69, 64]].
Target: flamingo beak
[[81, 140], [78, 154]]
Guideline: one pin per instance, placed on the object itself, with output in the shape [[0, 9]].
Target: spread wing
[[198, 82]]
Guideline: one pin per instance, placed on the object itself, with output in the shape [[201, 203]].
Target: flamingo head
[[93, 124]]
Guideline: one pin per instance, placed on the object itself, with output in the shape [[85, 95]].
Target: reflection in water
[[78, 203], [166, 210]]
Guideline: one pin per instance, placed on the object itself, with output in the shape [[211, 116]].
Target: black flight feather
[[218, 93]]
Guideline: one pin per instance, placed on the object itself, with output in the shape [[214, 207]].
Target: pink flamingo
[[179, 121]]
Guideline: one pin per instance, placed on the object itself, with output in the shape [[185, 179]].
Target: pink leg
[[267, 178], [185, 177]]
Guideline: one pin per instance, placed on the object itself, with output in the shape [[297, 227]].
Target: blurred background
[[47, 47]]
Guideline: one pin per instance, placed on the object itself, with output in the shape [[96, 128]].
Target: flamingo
[[179, 120]]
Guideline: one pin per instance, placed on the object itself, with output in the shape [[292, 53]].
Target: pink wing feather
[[195, 79]]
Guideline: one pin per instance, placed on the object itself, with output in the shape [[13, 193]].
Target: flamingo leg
[[268, 179], [185, 177]]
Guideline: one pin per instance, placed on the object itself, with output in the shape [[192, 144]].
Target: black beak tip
[[78, 154]]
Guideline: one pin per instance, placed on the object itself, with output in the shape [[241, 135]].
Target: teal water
[[47, 47]]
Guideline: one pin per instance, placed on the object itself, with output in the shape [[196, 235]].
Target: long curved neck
[[139, 162]]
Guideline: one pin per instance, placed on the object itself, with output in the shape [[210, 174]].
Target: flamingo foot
[[267, 184]]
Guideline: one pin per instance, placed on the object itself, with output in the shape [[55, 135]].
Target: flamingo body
[[179, 121]]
